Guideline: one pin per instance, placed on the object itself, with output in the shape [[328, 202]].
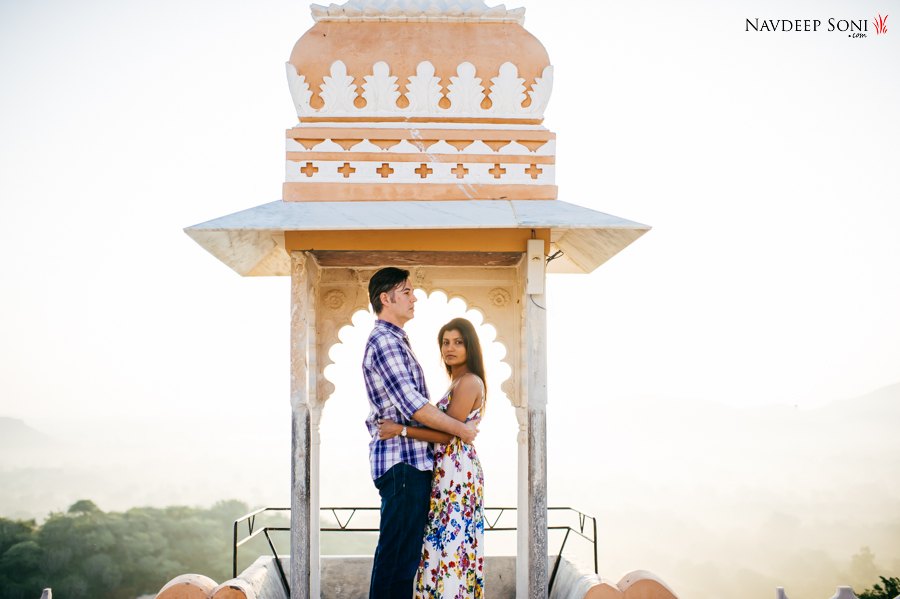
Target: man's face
[[399, 304]]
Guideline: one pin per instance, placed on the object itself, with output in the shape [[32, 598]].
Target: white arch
[[343, 437]]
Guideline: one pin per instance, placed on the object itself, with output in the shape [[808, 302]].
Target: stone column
[[535, 341], [301, 430], [315, 525], [523, 521]]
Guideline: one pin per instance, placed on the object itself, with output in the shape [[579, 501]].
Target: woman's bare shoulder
[[471, 383]]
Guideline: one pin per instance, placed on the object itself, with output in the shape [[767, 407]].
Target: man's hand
[[388, 429], [471, 431]]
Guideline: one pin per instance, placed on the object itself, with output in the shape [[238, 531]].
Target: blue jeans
[[405, 494]]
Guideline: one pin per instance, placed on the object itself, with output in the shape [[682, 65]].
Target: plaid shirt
[[395, 384]]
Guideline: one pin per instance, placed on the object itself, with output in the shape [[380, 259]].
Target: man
[[401, 466]]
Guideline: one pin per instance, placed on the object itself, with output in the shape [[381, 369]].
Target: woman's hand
[[388, 429]]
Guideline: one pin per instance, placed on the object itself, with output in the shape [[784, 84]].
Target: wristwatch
[[403, 431]]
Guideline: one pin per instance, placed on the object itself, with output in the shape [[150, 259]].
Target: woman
[[452, 562]]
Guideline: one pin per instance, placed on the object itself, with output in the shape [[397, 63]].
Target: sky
[[766, 163]]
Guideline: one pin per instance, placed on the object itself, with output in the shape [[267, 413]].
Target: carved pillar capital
[[522, 418]]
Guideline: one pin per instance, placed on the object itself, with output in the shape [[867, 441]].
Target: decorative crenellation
[[418, 11], [419, 141], [453, 163], [466, 96]]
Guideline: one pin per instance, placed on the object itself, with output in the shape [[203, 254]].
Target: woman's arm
[[388, 429], [467, 395]]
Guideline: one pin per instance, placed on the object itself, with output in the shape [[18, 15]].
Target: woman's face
[[453, 348]]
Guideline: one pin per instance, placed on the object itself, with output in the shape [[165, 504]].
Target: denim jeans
[[405, 494]]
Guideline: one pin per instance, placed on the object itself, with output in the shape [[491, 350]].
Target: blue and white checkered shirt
[[396, 387]]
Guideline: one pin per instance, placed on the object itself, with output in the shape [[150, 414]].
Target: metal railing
[[586, 528]]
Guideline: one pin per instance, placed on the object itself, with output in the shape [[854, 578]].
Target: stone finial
[[418, 11]]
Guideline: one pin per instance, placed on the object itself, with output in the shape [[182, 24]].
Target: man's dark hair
[[384, 281]]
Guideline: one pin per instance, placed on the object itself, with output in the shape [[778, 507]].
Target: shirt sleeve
[[389, 361]]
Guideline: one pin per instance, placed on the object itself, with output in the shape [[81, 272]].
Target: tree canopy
[[889, 588], [88, 553]]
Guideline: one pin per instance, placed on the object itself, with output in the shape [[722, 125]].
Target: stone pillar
[[523, 521], [535, 341], [315, 526], [301, 430]]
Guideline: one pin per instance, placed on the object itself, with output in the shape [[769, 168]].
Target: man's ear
[[385, 298]]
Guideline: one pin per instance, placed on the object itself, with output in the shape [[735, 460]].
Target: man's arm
[[431, 417], [387, 360]]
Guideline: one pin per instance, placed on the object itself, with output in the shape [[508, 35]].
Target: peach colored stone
[[641, 584], [605, 590], [187, 586], [233, 589], [403, 45]]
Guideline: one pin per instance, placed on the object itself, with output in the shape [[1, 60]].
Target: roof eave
[[251, 242]]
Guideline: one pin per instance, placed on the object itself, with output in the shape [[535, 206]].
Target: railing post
[[234, 549]]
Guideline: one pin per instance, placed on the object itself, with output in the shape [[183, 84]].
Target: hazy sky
[[766, 162]]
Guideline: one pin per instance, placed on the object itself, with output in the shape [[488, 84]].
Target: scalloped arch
[[351, 335], [491, 293]]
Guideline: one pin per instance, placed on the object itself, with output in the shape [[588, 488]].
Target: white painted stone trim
[[428, 125], [513, 148], [418, 11], [405, 172], [477, 147], [466, 92]]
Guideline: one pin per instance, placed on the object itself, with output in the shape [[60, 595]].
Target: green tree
[[83, 506], [12, 532], [88, 553], [890, 590]]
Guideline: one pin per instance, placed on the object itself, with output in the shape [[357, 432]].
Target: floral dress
[[452, 564]]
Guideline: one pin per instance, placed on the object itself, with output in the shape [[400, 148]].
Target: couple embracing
[[425, 468]]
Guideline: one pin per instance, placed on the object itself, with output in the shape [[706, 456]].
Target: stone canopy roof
[[251, 242], [419, 129]]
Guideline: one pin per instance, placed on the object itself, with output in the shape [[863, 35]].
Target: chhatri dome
[[422, 58], [420, 129]]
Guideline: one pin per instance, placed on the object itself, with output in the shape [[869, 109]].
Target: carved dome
[[367, 59]]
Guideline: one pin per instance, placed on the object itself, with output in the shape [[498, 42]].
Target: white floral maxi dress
[[452, 564]]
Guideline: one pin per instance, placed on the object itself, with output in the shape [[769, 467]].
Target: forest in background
[[86, 552], [717, 501]]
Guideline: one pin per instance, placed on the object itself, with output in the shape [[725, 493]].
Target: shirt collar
[[392, 328]]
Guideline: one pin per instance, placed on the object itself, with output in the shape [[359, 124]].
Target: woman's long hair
[[474, 358]]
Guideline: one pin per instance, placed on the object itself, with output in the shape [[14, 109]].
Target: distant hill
[[881, 403], [15, 434]]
